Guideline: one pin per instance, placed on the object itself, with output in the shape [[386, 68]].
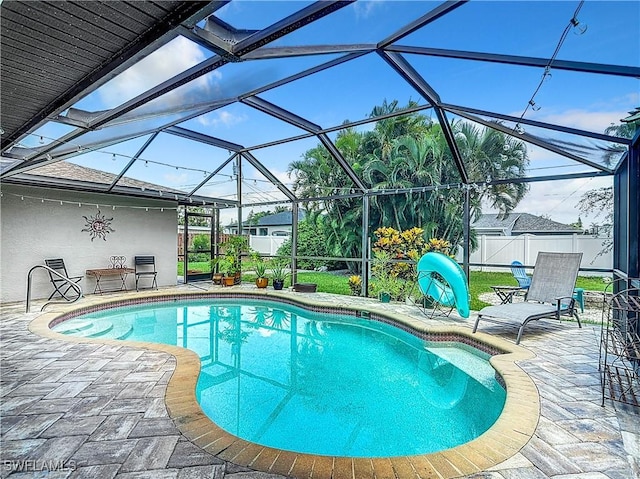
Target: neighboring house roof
[[284, 218], [495, 222], [521, 223]]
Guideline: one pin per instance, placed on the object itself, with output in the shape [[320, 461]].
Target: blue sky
[[350, 91]]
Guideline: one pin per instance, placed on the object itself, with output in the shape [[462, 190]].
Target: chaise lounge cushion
[[519, 311]]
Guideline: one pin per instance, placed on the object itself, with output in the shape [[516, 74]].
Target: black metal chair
[[61, 286], [145, 267]]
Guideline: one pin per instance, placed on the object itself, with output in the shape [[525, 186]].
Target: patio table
[[506, 293], [109, 274]]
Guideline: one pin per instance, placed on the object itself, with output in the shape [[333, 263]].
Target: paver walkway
[[97, 411]]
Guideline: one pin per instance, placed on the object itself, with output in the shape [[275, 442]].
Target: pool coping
[[508, 435]]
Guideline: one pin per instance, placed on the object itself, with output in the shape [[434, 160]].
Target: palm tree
[[409, 151]]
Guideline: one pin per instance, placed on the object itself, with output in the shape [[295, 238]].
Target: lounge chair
[[550, 294], [61, 286]]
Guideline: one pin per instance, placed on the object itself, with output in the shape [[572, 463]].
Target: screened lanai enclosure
[[362, 114]]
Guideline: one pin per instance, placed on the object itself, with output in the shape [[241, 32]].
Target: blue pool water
[[285, 377]]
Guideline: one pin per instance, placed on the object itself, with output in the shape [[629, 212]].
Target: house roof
[[283, 218], [520, 223], [81, 178], [71, 171]]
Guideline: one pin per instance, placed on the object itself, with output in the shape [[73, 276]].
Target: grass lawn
[[480, 282], [203, 266]]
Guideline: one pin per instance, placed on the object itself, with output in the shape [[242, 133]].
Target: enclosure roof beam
[[342, 126], [456, 109], [535, 141], [411, 76], [287, 25], [333, 151], [308, 50], [39, 154], [305, 73], [586, 67], [434, 14], [270, 176], [202, 138], [183, 78], [212, 174], [451, 142], [280, 113], [132, 160], [42, 159]]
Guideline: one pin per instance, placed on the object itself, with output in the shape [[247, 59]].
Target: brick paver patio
[[98, 411]]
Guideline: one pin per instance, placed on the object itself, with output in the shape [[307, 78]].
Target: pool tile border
[[505, 438]]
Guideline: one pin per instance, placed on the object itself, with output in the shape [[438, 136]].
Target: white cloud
[[219, 118], [363, 9], [175, 179], [596, 121], [166, 62]]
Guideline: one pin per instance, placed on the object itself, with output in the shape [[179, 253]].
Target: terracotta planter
[[262, 282], [228, 281]]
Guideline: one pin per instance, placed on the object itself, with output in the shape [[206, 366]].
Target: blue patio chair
[[524, 281]]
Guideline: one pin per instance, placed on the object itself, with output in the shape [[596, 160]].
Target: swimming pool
[[331, 384]]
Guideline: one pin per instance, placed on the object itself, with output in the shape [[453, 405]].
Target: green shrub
[[312, 241]]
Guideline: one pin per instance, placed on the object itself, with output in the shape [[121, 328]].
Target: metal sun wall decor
[[98, 226]]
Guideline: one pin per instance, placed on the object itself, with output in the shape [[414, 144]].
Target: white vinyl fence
[[525, 248], [267, 245], [502, 250]]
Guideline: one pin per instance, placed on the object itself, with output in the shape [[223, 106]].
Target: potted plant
[[381, 269], [227, 266], [279, 274], [260, 267], [233, 249]]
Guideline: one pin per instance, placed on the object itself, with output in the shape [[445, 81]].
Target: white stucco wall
[[32, 230]]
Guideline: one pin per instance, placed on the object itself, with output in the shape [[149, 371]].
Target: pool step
[[73, 327], [96, 328], [121, 331]]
